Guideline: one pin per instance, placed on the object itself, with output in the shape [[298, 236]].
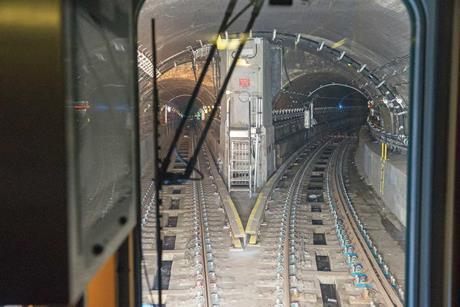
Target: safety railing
[[287, 114], [199, 52], [399, 142]]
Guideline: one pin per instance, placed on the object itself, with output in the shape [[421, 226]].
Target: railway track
[[194, 233], [312, 250], [287, 219], [367, 264], [320, 259]]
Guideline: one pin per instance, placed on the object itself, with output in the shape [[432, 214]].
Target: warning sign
[[245, 82]]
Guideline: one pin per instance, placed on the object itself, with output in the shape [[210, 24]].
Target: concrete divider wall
[[146, 143], [212, 140], [146, 152], [285, 147], [368, 161]]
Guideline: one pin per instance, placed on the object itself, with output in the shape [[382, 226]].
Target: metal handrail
[[399, 142]]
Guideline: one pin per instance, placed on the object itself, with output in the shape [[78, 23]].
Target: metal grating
[[329, 295], [169, 242], [319, 239], [175, 203], [172, 221], [315, 208], [165, 276], [322, 263]]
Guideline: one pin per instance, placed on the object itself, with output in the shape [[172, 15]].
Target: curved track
[[319, 246], [313, 249], [192, 223], [351, 230]]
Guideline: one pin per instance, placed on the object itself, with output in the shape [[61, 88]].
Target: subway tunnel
[[332, 91], [332, 70], [335, 68], [229, 153]]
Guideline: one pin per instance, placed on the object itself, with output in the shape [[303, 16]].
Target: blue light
[[101, 107], [121, 108], [340, 105]]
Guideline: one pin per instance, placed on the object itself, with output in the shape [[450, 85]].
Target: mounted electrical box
[[247, 105], [307, 119]]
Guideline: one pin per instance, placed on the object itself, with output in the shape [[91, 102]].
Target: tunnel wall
[[285, 147], [212, 140], [146, 152], [166, 133], [289, 143], [368, 161]]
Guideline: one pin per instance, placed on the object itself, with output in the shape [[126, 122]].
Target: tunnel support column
[[247, 132]]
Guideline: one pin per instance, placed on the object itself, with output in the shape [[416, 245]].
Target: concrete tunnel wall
[[368, 162]]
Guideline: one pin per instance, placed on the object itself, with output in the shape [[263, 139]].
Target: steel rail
[[200, 203], [283, 297], [200, 242], [292, 220], [382, 284]]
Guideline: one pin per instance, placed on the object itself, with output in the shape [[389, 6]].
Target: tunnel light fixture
[[223, 44], [243, 62], [118, 46], [297, 39], [380, 84], [362, 68], [341, 56], [100, 56], [274, 35], [321, 46]]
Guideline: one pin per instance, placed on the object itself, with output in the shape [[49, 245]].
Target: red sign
[[245, 83]]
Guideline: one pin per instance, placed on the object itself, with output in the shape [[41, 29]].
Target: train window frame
[[428, 147], [89, 250]]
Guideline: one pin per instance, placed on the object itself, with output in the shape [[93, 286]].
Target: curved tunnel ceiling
[[296, 92], [177, 92], [375, 32]]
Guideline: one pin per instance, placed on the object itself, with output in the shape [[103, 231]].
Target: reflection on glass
[[102, 109]]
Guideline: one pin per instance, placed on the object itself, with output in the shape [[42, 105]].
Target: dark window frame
[[427, 263]]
